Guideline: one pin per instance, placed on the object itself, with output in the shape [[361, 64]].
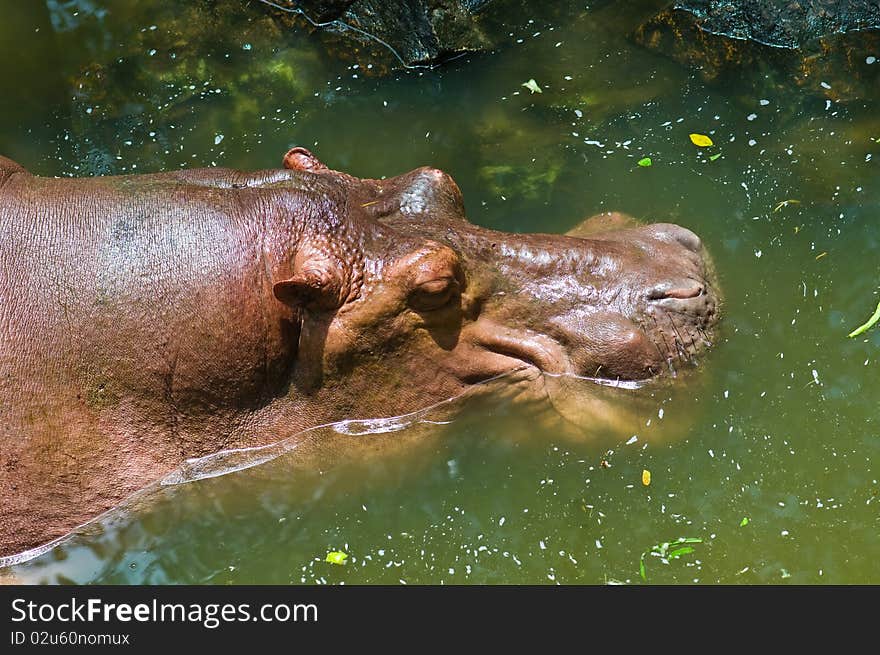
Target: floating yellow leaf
[[701, 140], [786, 203], [646, 477]]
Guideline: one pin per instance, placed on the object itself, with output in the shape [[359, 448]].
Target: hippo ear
[[429, 191], [310, 289], [300, 159]]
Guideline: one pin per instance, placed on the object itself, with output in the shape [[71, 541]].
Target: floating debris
[[532, 86]]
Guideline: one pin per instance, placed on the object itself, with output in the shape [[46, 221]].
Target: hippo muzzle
[[611, 300]]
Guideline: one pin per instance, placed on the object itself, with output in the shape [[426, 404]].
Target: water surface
[[771, 459]]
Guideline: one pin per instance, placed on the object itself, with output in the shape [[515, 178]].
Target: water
[[781, 428]]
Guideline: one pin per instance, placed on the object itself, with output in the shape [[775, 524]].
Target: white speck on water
[[246, 46], [784, 533], [751, 117], [660, 413], [758, 254], [632, 440], [542, 545], [578, 113], [825, 85], [752, 142], [870, 60], [763, 102], [815, 376], [152, 52], [501, 521], [598, 544], [711, 453], [217, 139]]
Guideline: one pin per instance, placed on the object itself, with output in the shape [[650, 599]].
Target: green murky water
[[783, 428]]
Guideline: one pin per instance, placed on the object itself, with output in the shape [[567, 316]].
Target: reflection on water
[[248, 508], [781, 429]]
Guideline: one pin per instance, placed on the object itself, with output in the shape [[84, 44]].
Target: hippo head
[[400, 298]]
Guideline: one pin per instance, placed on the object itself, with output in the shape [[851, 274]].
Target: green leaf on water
[[336, 557], [532, 86], [678, 552], [744, 522], [645, 161], [663, 551], [875, 317], [715, 156]]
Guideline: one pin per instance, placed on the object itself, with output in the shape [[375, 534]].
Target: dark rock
[[807, 41], [413, 32], [782, 23]]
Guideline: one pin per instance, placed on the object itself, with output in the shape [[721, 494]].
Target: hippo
[[148, 319]]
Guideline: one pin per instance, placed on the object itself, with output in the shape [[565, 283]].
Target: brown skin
[[149, 319]]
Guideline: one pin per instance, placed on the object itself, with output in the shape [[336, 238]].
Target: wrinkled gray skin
[[148, 319]]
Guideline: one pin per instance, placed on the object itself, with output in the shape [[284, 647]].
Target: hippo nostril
[[678, 290], [685, 292], [681, 234], [689, 240]]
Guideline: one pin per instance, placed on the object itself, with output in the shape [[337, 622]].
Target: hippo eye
[[433, 294]]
